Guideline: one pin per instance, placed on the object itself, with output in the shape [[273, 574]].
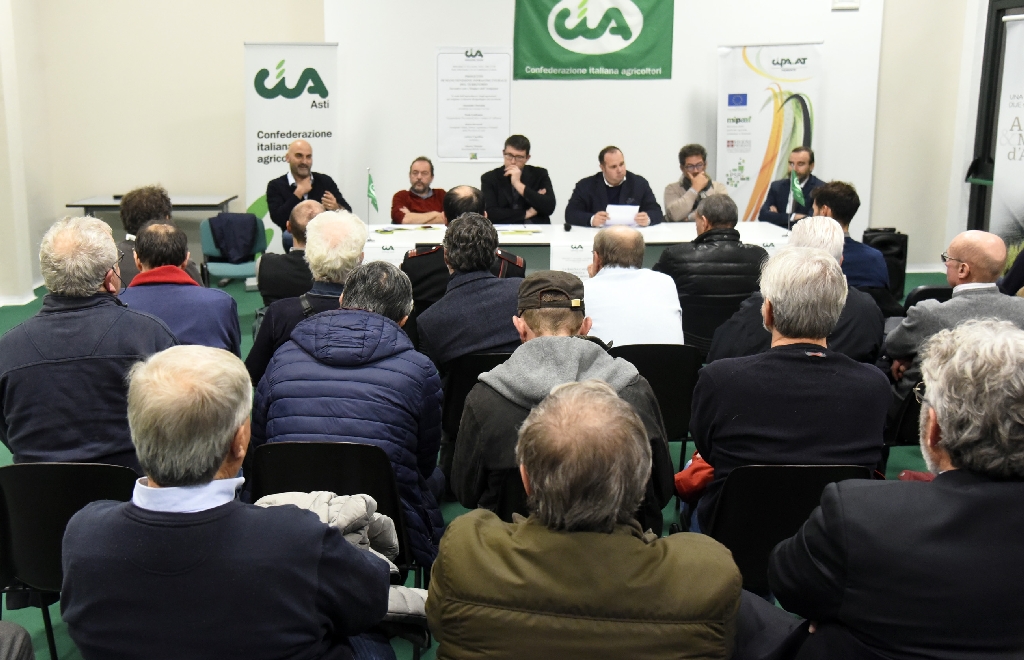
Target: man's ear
[[825, 211], [933, 434], [138, 264], [401, 324], [767, 315], [361, 255], [188, 255], [522, 328], [585, 327], [526, 479]]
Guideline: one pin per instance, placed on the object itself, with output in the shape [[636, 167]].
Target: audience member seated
[[579, 578], [138, 207], [188, 571], [551, 324], [682, 196], [974, 261], [475, 313], [858, 333], [352, 375], [208, 317], [716, 262], [612, 185], [903, 569], [799, 403], [421, 204], [781, 206], [62, 372], [280, 276], [517, 193], [334, 246], [863, 265], [628, 303], [427, 270]]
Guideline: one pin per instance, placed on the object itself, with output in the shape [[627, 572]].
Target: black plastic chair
[[906, 429], [672, 372], [512, 497], [927, 292], [761, 505], [38, 501], [703, 314], [462, 376]]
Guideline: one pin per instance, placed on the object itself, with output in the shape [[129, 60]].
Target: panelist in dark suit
[[516, 192], [612, 185], [300, 183], [778, 209], [281, 276], [909, 569]]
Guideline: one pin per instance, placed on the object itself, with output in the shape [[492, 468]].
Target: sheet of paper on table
[[621, 214]]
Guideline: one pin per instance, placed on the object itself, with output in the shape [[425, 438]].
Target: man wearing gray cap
[[552, 325]]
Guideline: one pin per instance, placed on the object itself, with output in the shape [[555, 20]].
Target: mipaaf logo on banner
[[309, 82], [595, 27]]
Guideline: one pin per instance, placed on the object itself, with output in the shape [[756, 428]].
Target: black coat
[[714, 263], [591, 195], [281, 197], [911, 569], [858, 334], [505, 205], [284, 276], [778, 196]]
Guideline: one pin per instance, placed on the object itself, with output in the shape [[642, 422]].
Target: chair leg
[[49, 632]]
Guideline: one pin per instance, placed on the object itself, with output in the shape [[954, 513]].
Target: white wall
[[388, 67]]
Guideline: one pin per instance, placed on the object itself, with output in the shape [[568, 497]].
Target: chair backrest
[[39, 500], [907, 426], [761, 505], [462, 376], [672, 372], [512, 497], [343, 468], [703, 314], [927, 292], [210, 249], [893, 246]]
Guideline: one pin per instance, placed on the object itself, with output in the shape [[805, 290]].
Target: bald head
[[299, 159], [618, 246], [975, 257], [463, 199], [301, 215]]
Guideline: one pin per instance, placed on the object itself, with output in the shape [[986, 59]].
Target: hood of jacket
[[350, 337], [542, 363]]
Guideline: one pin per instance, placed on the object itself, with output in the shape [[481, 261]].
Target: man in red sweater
[[421, 204]]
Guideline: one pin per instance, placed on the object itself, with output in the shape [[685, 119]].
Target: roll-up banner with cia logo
[[591, 39], [290, 94]]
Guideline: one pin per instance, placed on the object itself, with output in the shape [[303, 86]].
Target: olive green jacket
[[521, 590]]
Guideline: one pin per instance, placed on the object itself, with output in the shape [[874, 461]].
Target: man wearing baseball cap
[[552, 325]]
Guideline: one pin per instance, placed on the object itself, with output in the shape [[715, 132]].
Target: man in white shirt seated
[[628, 303]]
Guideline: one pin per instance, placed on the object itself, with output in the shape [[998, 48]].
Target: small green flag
[[371, 192], [794, 187]]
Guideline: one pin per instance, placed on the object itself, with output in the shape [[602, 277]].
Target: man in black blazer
[[300, 183], [911, 569], [516, 192], [612, 185], [287, 275], [777, 208]]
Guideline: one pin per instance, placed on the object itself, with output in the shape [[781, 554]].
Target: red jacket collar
[[162, 275]]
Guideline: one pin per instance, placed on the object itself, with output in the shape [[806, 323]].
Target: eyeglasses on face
[[946, 257], [696, 167], [919, 392], [518, 159]]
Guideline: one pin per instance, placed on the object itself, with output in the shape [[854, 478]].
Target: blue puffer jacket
[[353, 376]]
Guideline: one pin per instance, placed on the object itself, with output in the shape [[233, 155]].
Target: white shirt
[[974, 285], [633, 306], [291, 182], [185, 499]]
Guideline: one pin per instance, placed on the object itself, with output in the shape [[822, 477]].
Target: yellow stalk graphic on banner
[[771, 154]]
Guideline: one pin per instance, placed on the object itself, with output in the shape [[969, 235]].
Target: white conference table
[[550, 246]]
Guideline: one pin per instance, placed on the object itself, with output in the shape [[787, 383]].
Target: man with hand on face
[[516, 192], [682, 196], [300, 183], [781, 207], [421, 204], [588, 206]]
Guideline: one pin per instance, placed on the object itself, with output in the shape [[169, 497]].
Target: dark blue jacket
[[63, 395], [863, 265], [196, 315], [353, 376], [238, 580], [591, 195], [474, 316], [778, 196]]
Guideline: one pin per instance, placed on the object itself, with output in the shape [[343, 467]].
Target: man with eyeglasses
[[62, 372], [974, 261], [516, 192], [682, 196], [789, 199]]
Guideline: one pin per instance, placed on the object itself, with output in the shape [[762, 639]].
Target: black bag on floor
[[893, 246]]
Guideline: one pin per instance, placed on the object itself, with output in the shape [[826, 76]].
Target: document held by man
[[621, 214]]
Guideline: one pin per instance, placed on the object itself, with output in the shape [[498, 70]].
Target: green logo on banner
[[585, 39], [308, 77]]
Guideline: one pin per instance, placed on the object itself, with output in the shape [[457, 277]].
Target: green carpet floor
[[901, 458]]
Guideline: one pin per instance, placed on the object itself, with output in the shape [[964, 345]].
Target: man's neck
[[424, 195], [779, 340], [297, 245]]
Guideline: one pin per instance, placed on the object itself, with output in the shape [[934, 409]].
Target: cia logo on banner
[[595, 27], [309, 81]]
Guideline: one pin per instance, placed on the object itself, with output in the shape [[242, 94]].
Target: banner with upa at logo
[[289, 89], [766, 101], [590, 39], [1007, 214]]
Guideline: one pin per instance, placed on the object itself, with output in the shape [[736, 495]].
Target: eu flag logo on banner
[[737, 100]]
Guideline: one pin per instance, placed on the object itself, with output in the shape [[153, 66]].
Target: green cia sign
[[309, 82], [587, 39]]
